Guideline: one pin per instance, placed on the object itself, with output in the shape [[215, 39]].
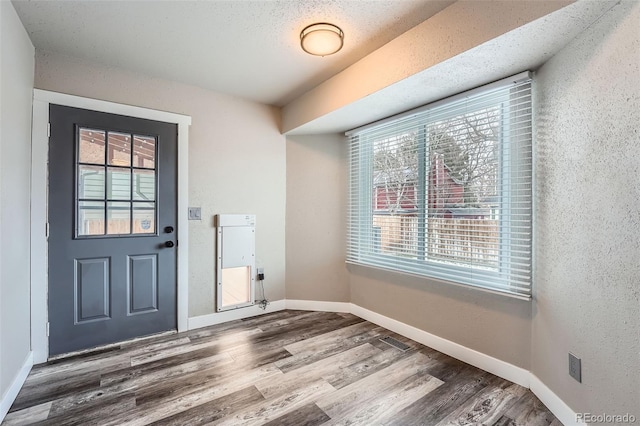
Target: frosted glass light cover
[[321, 39]]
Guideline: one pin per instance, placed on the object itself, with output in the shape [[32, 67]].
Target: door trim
[[39, 193]]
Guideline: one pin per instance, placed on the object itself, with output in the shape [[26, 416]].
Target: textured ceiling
[[244, 48], [524, 48]]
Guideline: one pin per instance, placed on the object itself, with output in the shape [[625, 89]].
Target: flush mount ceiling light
[[321, 39]]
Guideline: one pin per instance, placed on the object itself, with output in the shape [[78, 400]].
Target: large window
[[444, 191]]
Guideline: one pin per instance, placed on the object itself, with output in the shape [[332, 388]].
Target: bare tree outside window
[[463, 189], [395, 174], [469, 148], [461, 157]]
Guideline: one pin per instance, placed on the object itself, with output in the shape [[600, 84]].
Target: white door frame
[[39, 193]]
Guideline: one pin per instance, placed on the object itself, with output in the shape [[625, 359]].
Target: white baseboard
[[485, 362], [312, 305], [11, 393], [236, 314], [562, 411], [477, 359]]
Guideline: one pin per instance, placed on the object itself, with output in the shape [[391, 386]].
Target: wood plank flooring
[[283, 368]]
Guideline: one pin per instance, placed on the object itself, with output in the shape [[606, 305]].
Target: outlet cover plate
[[575, 367]]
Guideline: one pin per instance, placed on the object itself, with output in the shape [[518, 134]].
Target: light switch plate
[[195, 213]]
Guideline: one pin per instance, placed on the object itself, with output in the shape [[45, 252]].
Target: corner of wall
[[316, 212], [16, 89], [9, 396], [587, 225]]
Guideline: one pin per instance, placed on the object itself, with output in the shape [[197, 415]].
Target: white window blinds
[[445, 191]]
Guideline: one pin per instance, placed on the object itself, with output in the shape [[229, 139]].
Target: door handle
[[169, 244], [168, 229]]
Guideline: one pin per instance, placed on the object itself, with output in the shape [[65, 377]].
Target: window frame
[[106, 199], [362, 200]]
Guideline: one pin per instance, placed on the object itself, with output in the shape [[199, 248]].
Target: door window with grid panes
[[116, 183]]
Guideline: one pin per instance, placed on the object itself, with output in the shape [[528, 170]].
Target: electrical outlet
[[575, 367], [260, 274], [260, 270]]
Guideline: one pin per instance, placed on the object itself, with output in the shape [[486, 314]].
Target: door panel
[[92, 290], [112, 207], [143, 284]]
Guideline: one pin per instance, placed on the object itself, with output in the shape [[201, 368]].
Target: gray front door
[[112, 228]]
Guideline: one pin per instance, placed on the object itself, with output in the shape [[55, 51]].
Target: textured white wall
[[237, 161], [16, 91], [316, 212], [588, 217]]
